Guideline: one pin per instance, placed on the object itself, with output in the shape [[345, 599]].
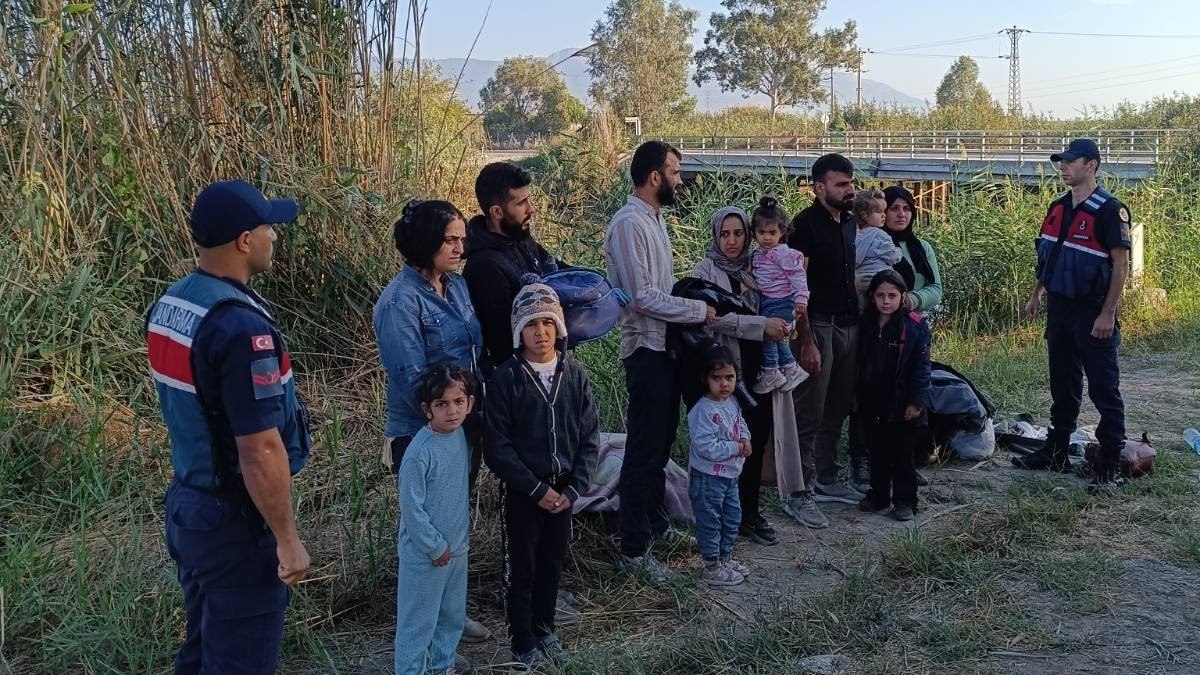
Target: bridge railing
[[1142, 145]]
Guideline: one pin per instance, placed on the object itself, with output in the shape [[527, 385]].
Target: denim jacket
[[415, 328]]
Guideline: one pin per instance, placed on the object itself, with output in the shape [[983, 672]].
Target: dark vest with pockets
[[1074, 263], [200, 460]]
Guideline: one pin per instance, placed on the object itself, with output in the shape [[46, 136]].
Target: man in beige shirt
[[637, 252]]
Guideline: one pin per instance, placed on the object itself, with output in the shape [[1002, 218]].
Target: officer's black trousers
[[1073, 353], [536, 543], [232, 596]]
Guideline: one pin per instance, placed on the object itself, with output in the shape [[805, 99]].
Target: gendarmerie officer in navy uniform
[[238, 434], [1082, 264]]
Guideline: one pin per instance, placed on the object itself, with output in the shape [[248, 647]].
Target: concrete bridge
[[1129, 155]]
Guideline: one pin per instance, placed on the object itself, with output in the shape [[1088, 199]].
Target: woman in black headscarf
[[918, 267]]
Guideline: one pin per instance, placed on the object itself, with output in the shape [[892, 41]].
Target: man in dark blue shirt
[[238, 433], [1082, 264]]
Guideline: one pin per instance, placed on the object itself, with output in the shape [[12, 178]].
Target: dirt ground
[[1143, 616]]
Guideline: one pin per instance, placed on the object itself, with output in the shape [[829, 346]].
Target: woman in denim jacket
[[424, 317]]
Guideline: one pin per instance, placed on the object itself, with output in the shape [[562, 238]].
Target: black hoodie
[[495, 264]]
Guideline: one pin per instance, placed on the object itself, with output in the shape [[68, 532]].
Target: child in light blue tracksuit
[[431, 584]]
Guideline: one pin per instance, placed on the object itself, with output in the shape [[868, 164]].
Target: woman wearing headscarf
[[727, 265], [918, 267]]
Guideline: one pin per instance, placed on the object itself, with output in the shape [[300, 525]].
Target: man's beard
[[665, 194], [515, 230]]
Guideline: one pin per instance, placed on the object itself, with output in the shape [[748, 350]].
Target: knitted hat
[[536, 300]]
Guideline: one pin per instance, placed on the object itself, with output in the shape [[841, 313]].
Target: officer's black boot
[[1106, 477], [1052, 456]]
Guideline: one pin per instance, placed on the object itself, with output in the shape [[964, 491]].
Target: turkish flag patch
[[262, 343]]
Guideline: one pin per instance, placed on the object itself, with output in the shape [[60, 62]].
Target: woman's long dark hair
[[916, 251]]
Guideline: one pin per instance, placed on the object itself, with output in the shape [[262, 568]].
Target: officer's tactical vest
[[173, 322], [1079, 266]]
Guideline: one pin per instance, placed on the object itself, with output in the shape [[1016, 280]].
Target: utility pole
[[832, 98], [1014, 69], [860, 72]]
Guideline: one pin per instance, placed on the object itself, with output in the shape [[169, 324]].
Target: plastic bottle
[[1193, 438]]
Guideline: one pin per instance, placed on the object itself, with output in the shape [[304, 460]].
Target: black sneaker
[[860, 476], [757, 533], [763, 525], [550, 648], [871, 506], [922, 481], [1052, 456], [1105, 484], [903, 513]]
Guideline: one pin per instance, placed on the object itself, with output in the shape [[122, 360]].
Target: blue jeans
[[718, 513], [232, 596], [777, 353]]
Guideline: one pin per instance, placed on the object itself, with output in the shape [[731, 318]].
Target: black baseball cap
[[227, 208], [1080, 147]]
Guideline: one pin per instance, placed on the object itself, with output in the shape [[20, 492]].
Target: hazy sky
[[1061, 74]]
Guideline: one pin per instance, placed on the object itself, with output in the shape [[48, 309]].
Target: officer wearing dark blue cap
[[1082, 264], [238, 434]]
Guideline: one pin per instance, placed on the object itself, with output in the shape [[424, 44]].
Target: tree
[[639, 63], [525, 96], [961, 86], [770, 47]]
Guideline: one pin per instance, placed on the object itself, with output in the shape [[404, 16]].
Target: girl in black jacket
[[892, 393], [541, 439]]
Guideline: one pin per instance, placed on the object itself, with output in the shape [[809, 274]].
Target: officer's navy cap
[[1080, 147], [227, 208]]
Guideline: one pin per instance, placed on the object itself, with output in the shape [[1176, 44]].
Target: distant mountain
[[574, 71]]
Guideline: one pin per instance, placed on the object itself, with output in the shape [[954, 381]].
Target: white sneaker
[[737, 567], [769, 380], [795, 376], [718, 575]]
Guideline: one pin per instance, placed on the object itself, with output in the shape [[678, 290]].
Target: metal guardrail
[[1129, 145]]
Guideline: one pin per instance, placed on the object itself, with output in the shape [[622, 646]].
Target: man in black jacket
[[500, 249], [824, 232]]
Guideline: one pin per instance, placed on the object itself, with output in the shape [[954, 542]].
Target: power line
[[936, 56], [1106, 79], [1117, 84], [942, 43], [1119, 35], [1135, 66]]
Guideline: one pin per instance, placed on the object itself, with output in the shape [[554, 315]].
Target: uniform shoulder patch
[[1123, 214], [267, 378], [262, 343]]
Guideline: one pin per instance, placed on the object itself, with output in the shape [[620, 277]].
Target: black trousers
[[758, 420], [651, 424], [536, 544], [1073, 352], [893, 476]]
